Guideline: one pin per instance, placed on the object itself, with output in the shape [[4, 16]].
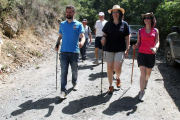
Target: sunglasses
[[147, 17], [115, 12]]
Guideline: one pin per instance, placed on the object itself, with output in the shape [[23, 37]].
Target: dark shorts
[[147, 60], [98, 42]]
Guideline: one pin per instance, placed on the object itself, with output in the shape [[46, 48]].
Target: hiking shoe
[[118, 83], [111, 89], [146, 85], [63, 95], [75, 87], [141, 96], [96, 61]]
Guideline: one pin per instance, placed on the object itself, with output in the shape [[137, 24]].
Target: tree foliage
[[166, 11], [168, 15]]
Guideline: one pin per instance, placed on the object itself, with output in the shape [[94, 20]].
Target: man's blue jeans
[[67, 58]]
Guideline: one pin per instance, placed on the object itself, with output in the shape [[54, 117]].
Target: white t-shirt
[[99, 26]]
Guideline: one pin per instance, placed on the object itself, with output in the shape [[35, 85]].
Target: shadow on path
[[95, 76], [86, 102], [91, 67], [42, 103], [124, 104], [39, 104], [171, 78]]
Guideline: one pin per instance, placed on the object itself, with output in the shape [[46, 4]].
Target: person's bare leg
[[142, 77], [117, 67], [96, 53], [148, 73], [110, 72]]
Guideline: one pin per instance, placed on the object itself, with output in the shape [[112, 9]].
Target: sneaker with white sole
[[63, 95], [141, 96], [96, 61]]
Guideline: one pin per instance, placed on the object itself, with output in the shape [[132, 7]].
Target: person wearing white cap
[[116, 44], [98, 32], [148, 43]]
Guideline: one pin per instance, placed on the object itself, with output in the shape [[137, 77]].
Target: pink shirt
[[147, 41]]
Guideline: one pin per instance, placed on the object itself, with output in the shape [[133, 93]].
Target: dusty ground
[[31, 93]]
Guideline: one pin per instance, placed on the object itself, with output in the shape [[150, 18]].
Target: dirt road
[[30, 93]]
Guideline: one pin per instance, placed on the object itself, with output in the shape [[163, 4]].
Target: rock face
[[10, 27]]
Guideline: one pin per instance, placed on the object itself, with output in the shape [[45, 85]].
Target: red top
[[147, 41]]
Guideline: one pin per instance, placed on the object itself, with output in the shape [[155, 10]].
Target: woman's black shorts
[[147, 60]]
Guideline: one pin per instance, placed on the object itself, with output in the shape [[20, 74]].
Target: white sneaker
[[75, 87], [63, 95], [96, 61], [141, 96]]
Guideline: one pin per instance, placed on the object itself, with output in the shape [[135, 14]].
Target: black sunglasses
[[147, 17]]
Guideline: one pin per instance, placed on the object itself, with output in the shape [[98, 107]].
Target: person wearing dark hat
[[98, 32], [116, 42], [87, 36], [148, 43]]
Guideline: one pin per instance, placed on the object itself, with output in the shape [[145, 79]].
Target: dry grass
[[17, 52]]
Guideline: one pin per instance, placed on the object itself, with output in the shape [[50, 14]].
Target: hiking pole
[[134, 52], [57, 46], [56, 67], [102, 71]]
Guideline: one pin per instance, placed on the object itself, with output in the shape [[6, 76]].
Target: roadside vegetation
[[25, 23]]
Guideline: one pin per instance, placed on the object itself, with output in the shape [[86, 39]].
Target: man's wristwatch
[[156, 48]]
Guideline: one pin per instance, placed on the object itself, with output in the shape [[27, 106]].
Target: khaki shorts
[[113, 56]]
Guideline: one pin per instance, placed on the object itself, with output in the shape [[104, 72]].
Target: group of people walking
[[113, 37]]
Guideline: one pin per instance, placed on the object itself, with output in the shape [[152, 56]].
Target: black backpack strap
[[88, 30]]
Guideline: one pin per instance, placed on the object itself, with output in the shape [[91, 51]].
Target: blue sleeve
[[81, 29], [60, 28]]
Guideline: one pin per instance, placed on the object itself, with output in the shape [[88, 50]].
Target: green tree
[[167, 15]]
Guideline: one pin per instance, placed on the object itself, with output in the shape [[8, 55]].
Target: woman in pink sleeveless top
[[148, 43]]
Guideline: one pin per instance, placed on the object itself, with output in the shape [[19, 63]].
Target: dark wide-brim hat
[[149, 14]]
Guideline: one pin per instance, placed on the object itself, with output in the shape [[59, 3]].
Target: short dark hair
[[70, 7], [120, 16], [152, 21]]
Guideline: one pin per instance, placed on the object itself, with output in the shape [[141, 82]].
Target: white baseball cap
[[101, 14]]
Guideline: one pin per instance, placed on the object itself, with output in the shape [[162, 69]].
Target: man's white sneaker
[[96, 61], [63, 95], [141, 96]]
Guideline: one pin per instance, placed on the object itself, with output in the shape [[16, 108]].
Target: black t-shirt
[[115, 40]]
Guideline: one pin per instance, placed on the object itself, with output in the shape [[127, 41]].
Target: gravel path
[[31, 94]]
